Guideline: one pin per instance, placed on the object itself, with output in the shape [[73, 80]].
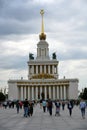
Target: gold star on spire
[[42, 36]]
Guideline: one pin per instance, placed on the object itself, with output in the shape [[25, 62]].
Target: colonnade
[[38, 69], [35, 92]]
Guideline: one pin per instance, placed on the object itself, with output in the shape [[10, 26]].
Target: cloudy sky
[[65, 23]]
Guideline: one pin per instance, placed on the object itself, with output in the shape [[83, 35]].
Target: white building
[[43, 77]]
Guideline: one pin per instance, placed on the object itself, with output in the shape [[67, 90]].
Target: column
[[18, 92], [41, 69], [45, 69], [37, 52], [36, 92], [29, 92], [48, 69], [52, 69], [32, 92], [67, 92], [64, 92], [40, 91], [57, 69], [53, 92], [36, 69], [24, 92], [45, 92], [60, 92], [21, 93], [57, 92], [50, 92], [55, 72], [32, 69]]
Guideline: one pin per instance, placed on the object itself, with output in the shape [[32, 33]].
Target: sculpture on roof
[[31, 57], [54, 55]]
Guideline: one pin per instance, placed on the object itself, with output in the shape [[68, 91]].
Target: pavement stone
[[10, 120]]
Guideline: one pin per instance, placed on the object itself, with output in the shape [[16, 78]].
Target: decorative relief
[[42, 76]]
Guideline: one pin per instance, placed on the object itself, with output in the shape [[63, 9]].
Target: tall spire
[[42, 36], [42, 13]]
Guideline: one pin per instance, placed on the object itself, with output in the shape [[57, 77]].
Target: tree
[[83, 94], [2, 97]]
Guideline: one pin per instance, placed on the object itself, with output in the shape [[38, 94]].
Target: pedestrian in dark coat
[[50, 105], [70, 107], [31, 109], [26, 105], [17, 106]]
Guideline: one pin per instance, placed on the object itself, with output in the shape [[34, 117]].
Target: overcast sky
[[65, 23]]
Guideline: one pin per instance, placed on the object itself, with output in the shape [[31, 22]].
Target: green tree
[[2, 97], [83, 94]]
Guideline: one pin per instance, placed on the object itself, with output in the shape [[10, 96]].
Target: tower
[[43, 66]]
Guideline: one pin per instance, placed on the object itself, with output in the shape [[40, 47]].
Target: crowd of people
[[70, 105], [47, 105]]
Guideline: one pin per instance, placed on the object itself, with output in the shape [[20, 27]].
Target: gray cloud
[[20, 16], [11, 62]]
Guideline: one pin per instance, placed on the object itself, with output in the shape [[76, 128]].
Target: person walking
[[26, 103], [70, 107], [63, 105], [44, 105], [17, 106], [31, 108], [20, 104], [57, 104], [82, 107], [50, 105]]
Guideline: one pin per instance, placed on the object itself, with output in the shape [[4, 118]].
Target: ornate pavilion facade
[[43, 79]]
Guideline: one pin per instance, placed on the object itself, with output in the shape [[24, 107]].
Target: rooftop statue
[[54, 55], [31, 57]]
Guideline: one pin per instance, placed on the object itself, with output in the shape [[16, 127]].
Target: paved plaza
[[10, 120]]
